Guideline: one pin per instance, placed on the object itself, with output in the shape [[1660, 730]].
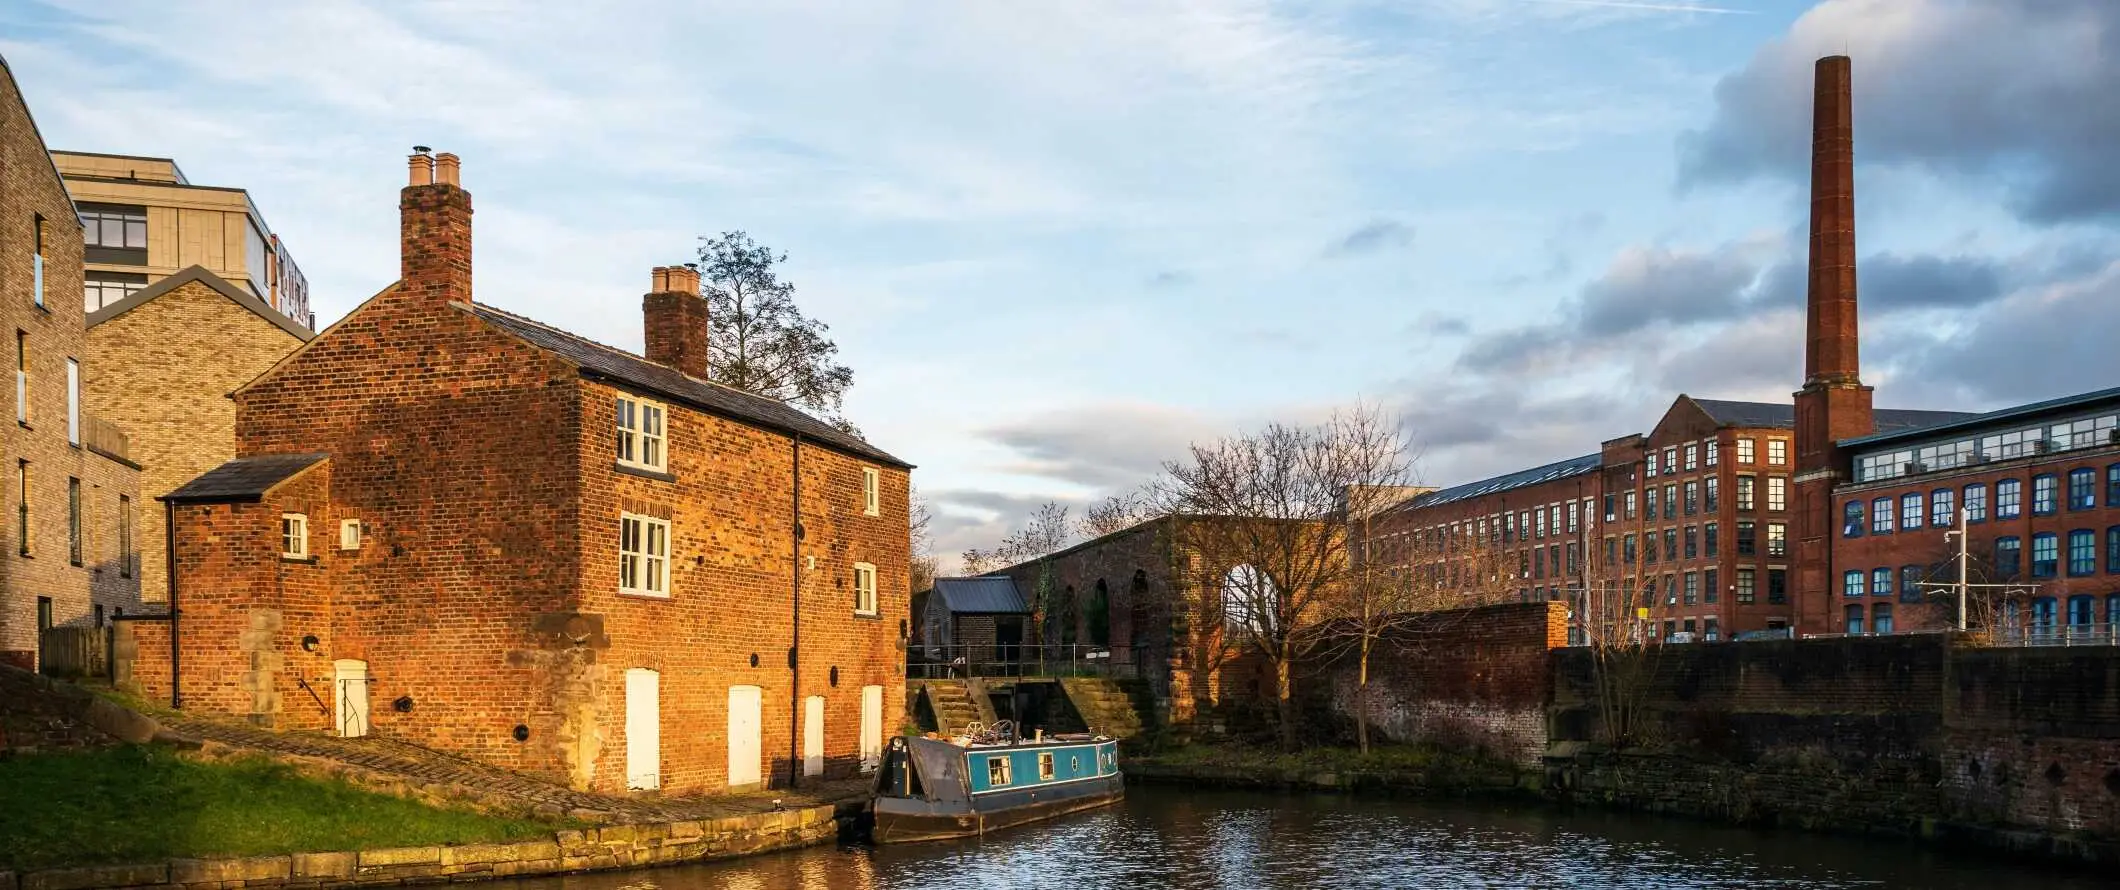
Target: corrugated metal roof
[[1574, 466], [1777, 415], [243, 480], [991, 595], [1955, 422], [600, 360]]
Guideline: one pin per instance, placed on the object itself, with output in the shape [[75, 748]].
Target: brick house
[[450, 524], [72, 492], [163, 360]]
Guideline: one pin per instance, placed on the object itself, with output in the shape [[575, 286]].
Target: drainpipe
[[169, 559], [795, 644]]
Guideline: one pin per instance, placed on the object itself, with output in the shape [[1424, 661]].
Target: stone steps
[[1106, 706]]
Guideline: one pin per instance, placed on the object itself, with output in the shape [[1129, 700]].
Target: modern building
[[72, 493], [452, 525], [142, 221], [162, 362]]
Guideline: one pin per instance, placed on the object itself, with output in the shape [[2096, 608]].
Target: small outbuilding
[[979, 620]]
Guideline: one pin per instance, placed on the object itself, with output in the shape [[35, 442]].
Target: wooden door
[[351, 678], [813, 736], [871, 727], [746, 722], [643, 729]]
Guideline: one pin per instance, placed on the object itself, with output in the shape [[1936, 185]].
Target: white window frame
[[294, 536], [643, 571], [864, 594], [349, 534], [643, 433], [871, 492]]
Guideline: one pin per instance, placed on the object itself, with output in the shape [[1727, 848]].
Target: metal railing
[[2103, 633], [1023, 660]]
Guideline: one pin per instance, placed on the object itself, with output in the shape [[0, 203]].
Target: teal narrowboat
[[931, 789]]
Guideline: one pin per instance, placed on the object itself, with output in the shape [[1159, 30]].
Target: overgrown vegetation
[[144, 803]]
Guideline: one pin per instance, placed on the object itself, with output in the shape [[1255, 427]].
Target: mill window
[[640, 433]]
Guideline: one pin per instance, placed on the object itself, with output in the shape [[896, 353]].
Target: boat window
[[996, 771], [1045, 766]]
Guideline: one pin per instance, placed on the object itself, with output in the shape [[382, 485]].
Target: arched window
[[1249, 601], [1100, 616], [1881, 619], [1854, 614], [2082, 488], [1852, 527]]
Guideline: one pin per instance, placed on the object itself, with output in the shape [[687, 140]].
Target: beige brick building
[[143, 221], [71, 496], [163, 363]]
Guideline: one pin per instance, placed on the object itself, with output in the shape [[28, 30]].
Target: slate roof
[[243, 480], [1783, 415], [599, 361], [990, 595], [1574, 466], [206, 277], [1962, 422]]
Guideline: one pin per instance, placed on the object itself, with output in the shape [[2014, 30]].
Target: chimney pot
[[422, 169], [675, 321], [446, 169]]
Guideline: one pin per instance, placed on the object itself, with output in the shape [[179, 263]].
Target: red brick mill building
[[455, 526], [1823, 515]]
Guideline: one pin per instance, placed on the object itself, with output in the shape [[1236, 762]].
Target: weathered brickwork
[[162, 370], [1161, 616], [1916, 735], [483, 599], [1473, 678], [37, 219]]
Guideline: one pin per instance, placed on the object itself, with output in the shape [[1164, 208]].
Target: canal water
[[1165, 837]]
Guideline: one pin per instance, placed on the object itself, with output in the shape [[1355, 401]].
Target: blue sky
[[1056, 242]]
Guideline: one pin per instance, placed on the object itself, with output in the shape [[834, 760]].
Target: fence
[[2084, 634], [1023, 660], [74, 651]]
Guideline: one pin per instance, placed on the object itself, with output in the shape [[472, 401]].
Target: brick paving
[[432, 769]]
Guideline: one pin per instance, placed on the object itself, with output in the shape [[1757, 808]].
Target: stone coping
[[587, 849]]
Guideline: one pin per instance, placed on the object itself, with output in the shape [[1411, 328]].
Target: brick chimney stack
[[434, 224], [1832, 353], [1833, 404], [674, 319]]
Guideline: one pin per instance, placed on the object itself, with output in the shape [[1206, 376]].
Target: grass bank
[[145, 803], [1399, 768]]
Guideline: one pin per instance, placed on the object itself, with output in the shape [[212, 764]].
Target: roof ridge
[[629, 354]]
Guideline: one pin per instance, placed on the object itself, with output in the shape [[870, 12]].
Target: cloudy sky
[[1058, 241]]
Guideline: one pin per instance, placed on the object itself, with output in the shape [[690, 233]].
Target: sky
[[1057, 242]]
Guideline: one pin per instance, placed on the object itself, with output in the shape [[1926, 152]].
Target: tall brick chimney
[[674, 319], [1833, 404], [434, 224]]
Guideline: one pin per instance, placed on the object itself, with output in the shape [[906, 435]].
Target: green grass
[[144, 803]]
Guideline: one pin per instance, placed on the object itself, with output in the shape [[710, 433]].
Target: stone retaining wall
[[591, 849]]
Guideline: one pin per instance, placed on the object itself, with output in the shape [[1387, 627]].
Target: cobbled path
[[424, 767]]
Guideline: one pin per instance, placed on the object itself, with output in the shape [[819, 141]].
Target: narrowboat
[[933, 789]]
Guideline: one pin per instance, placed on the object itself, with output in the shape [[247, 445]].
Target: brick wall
[[49, 335], [1465, 678], [163, 372], [483, 473], [1917, 735]]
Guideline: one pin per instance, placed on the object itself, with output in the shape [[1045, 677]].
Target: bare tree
[[923, 543], [1404, 587], [1270, 513], [1048, 531], [1115, 514]]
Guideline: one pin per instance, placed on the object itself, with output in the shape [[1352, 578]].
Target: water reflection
[[1179, 839]]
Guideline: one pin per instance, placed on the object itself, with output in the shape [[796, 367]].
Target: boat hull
[[906, 820]]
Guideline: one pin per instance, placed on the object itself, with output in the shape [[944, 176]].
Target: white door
[[813, 736], [352, 682], [745, 723], [871, 727], [643, 729]]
